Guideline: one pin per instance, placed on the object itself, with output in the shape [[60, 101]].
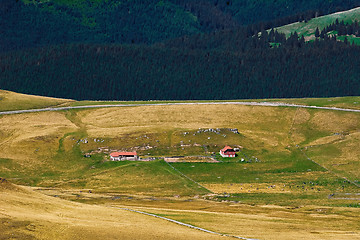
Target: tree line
[[341, 29]]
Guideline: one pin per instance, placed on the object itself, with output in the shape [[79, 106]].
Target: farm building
[[227, 152], [122, 156]]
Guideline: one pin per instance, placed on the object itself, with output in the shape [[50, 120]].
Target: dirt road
[[266, 104]]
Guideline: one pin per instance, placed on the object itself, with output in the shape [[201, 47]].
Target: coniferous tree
[[317, 34]]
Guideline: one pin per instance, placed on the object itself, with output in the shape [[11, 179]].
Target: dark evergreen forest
[[43, 23], [205, 49], [82, 71]]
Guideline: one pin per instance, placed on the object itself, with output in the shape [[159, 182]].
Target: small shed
[[227, 152], [122, 156]]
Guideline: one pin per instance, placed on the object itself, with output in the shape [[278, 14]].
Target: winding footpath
[[266, 104]]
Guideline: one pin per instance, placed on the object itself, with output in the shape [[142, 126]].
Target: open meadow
[[295, 175], [308, 28]]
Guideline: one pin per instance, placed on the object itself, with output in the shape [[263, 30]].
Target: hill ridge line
[[324, 16], [265, 104]]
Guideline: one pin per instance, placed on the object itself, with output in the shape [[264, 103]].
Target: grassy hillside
[[273, 223], [38, 23], [25, 214], [307, 29], [266, 133], [197, 70], [47, 150], [16, 101]]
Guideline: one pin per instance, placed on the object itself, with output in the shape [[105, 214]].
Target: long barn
[[122, 156]]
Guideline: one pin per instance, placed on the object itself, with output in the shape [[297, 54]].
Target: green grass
[[351, 39], [149, 178], [286, 170], [308, 29], [353, 205]]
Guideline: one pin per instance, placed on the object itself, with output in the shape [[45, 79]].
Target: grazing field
[[307, 29], [293, 163]]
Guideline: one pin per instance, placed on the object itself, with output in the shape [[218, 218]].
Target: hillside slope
[[296, 174], [100, 21], [17, 101], [308, 29], [249, 69], [25, 214]]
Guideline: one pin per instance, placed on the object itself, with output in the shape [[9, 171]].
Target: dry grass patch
[[335, 122], [32, 215], [117, 121], [272, 222], [268, 139], [326, 140], [302, 115], [17, 101], [247, 188], [33, 135], [342, 156]]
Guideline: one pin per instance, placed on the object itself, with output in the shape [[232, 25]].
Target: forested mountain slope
[[30, 23], [139, 50], [143, 73]]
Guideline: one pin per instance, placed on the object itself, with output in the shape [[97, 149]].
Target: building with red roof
[[227, 152], [122, 156]]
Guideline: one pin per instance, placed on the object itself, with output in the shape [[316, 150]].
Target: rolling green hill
[[307, 29]]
